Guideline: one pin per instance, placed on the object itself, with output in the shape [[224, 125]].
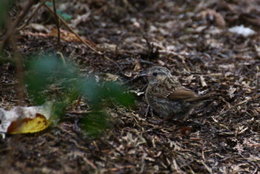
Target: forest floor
[[193, 40]]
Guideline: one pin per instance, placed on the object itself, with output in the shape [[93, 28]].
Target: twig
[[88, 43], [31, 16], [257, 96], [20, 88], [57, 20]]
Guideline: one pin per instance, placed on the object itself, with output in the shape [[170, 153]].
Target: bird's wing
[[182, 94]]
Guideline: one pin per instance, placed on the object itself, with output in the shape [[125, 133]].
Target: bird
[[167, 97]]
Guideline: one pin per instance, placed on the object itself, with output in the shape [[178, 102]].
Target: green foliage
[[62, 14], [117, 93], [48, 3], [95, 123], [111, 91], [48, 70]]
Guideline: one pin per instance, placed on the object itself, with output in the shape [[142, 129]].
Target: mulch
[[189, 38]]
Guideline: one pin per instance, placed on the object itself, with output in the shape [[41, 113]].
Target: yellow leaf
[[29, 125]]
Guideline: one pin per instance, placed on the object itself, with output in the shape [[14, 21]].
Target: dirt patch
[[190, 40]]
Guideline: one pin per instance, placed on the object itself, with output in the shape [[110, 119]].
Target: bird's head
[[158, 74]]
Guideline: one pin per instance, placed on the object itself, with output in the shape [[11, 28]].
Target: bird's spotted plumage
[[167, 97]]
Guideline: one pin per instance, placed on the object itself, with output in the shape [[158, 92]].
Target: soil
[[193, 40]]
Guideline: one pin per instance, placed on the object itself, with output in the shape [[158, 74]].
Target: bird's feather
[[182, 94]]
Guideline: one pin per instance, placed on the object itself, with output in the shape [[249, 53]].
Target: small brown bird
[[167, 97]]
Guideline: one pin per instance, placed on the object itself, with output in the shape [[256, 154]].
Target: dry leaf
[[29, 125], [20, 120]]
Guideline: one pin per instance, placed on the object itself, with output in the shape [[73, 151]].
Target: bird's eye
[[155, 73]]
